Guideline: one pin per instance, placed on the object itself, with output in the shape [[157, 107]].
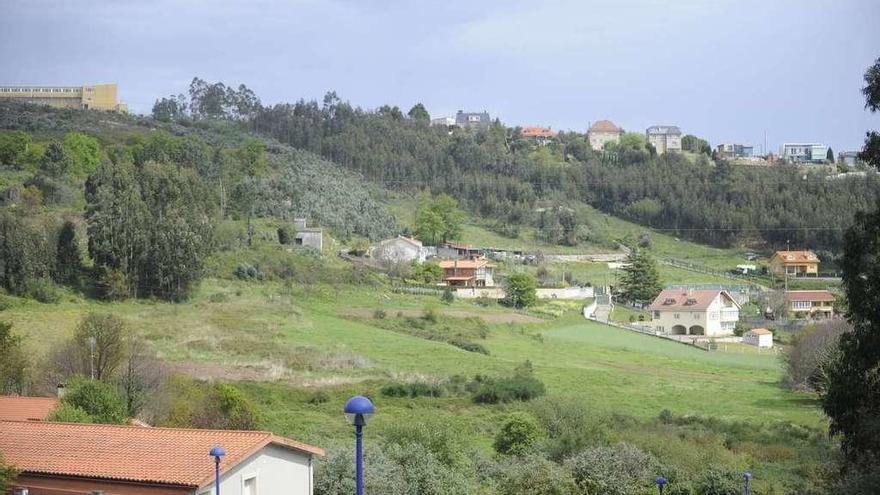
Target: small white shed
[[760, 337]]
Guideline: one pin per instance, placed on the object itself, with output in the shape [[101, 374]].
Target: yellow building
[[88, 97]]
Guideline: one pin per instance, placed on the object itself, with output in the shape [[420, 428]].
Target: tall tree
[[7, 474], [871, 151], [640, 280], [419, 113], [68, 261], [99, 342], [13, 361], [829, 155]]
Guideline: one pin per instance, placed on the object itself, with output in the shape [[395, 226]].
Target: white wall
[[278, 471]]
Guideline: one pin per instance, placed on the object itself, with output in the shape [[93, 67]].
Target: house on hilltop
[[541, 135], [473, 119], [794, 263], [603, 131], [664, 138], [708, 312], [56, 458]]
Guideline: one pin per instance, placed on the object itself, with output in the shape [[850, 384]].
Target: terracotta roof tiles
[[15, 408], [604, 126], [685, 299], [169, 456]]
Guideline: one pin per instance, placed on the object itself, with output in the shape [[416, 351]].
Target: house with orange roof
[[809, 303], [708, 312], [478, 272], [602, 132], [18, 408], [68, 458], [794, 263], [541, 135]]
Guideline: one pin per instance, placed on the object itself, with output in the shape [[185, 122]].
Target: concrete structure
[[305, 236], [664, 138], [541, 135], [468, 273], [733, 150], [794, 263], [17, 408], [472, 119], [57, 458], [602, 132], [759, 337], [804, 152], [849, 158], [401, 249], [706, 312], [445, 121], [809, 303], [87, 97], [452, 250]]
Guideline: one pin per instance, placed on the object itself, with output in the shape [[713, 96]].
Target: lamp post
[[217, 452], [661, 482], [747, 478], [358, 409]]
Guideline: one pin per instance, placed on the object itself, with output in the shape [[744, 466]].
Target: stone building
[[602, 132], [664, 138], [305, 236]]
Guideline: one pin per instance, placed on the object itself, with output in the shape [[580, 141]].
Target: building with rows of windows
[[87, 97]]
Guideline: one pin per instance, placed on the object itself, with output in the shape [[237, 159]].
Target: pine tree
[[640, 282]]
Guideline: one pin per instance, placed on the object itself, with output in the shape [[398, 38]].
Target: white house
[[126, 460], [707, 312], [400, 249], [760, 337]]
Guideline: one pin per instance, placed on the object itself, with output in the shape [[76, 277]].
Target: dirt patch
[[257, 373], [454, 313]]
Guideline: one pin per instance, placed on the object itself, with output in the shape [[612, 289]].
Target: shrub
[[43, 290], [430, 315], [99, 400], [67, 413], [379, 314], [520, 386], [285, 235], [518, 435], [718, 481], [534, 475], [469, 346], [571, 427], [413, 390], [218, 297], [808, 354], [318, 397], [484, 301], [448, 296], [246, 271], [113, 285], [619, 470]]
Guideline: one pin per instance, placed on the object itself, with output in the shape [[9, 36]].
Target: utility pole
[[785, 268], [92, 342]]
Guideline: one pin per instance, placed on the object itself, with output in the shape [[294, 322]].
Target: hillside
[[295, 331]]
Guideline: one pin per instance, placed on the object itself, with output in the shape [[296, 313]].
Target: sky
[[724, 70]]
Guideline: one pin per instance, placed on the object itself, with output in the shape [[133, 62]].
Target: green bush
[[318, 397], [520, 290], [534, 475], [99, 400], [43, 290], [719, 481], [448, 296], [413, 390], [520, 386], [519, 435], [469, 346], [571, 426], [619, 470], [113, 285], [67, 413]]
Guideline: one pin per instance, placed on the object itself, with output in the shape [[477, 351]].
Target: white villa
[[708, 312]]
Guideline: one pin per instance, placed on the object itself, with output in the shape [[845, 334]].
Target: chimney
[[59, 390]]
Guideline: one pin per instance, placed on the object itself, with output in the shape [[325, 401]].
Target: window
[[696, 316], [801, 304], [676, 315], [249, 486], [656, 314], [713, 315]]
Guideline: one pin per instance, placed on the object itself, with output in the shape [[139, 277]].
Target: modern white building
[[804, 152], [445, 121], [708, 312]]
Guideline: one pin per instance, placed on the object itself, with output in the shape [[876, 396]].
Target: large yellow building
[[88, 97]]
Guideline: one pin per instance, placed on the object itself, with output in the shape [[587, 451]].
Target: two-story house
[[707, 312], [734, 150], [602, 132], [541, 135], [477, 272], [472, 119], [809, 303], [794, 263], [664, 138]]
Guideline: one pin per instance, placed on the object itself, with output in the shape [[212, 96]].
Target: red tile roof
[[15, 408], [686, 299], [537, 132], [809, 295], [168, 456], [796, 257], [604, 126]]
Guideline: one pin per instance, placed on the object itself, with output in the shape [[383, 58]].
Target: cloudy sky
[[727, 70]]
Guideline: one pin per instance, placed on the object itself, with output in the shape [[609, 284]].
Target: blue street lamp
[[217, 452], [747, 477], [358, 409], [661, 482]]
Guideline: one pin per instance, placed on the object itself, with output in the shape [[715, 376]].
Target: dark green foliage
[[419, 114], [448, 296], [27, 253], [170, 109], [112, 284], [99, 345], [14, 361], [68, 413], [695, 144], [428, 272], [68, 260], [98, 399], [228, 409], [521, 386], [640, 280], [469, 346], [413, 390], [719, 481], [571, 427], [183, 402], [217, 101], [153, 223], [246, 271], [13, 146], [872, 87], [438, 219], [518, 435], [852, 398], [520, 290], [54, 162], [285, 234]]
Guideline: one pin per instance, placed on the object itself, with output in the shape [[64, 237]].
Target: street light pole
[[217, 452], [358, 409], [661, 482], [747, 477]]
